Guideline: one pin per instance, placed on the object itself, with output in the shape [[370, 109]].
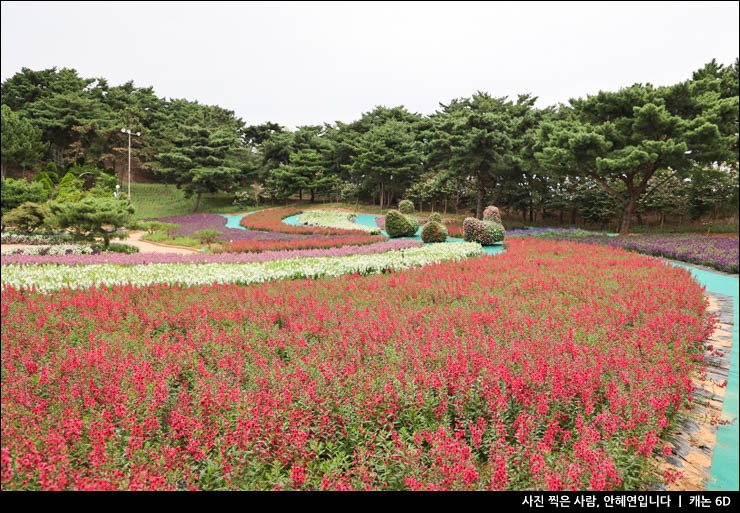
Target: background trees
[[622, 139], [611, 158]]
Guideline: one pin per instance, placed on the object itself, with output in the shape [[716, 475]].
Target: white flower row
[[54, 277], [55, 249], [334, 219]]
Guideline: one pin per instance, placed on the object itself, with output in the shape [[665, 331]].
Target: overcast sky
[[315, 62]]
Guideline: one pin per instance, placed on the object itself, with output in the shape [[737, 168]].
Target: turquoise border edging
[[232, 221], [723, 475]]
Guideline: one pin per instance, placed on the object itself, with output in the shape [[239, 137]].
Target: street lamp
[[137, 134]]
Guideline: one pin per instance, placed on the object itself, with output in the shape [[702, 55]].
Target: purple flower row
[[199, 258], [718, 252]]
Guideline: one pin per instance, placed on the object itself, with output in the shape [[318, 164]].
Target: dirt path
[[134, 239]]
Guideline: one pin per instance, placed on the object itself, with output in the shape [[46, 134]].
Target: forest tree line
[[610, 157]]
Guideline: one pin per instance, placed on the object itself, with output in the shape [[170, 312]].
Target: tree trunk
[[481, 199], [300, 194], [382, 195], [624, 226], [197, 202], [313, 195], [531, 209]]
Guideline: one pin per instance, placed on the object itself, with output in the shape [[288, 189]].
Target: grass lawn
[[160, 200]]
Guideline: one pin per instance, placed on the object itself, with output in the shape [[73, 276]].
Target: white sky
[[314, 62]]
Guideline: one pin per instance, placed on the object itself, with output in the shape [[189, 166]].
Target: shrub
[[482, 232], [406, 207], [14, 193], [152, 227], [92, 216], [434, 232], [435, 217], [399, 225], [492, 213], [116, 248], [28, 217], [207, 236]]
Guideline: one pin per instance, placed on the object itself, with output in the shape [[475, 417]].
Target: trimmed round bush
[[436, 217], [484, 233], [406, 207], [399, 225], [434, 232], [492, 213]]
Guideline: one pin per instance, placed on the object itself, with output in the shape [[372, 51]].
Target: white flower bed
[[56, 249], [334, 219], [55, 277]]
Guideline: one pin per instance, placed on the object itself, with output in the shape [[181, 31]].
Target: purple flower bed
[[189, 224], [718, 252], [546, 233], [197, 258]]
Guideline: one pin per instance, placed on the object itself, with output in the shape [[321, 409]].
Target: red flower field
[[553, 366]]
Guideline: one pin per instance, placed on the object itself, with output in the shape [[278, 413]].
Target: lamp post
[[137, 134]]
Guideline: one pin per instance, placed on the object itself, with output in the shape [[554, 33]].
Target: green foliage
[[434, 231], [128, 249], [21, 141], [45, 180], [435, 217], [485, 140], [627, 136], [388, 156], [27, 217], [91, 216], [16, 192], [406, 207], [204, 160], [399, 225], [207, 237], [158, 226], [69, 188]]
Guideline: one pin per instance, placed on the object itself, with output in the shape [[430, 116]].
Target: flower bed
[[56, 277], [333, 219], [717, 252], [189, 224], [24, 238], [313, 242], [55, 250], [201, 258], [552, 366], [271, 220], [713, 251]]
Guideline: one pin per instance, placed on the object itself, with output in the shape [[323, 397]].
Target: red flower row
[[552, 366], [271, 220]]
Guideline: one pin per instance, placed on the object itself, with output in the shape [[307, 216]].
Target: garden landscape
[[492, 297]]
